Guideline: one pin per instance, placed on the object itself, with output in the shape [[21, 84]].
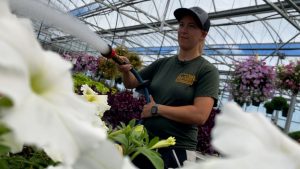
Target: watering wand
[[113, 55]]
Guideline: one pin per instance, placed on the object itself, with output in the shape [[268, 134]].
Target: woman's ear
[[204, 34]]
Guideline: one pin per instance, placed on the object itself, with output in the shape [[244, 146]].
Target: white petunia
[[100, 101], [250, 141], [45, 110]]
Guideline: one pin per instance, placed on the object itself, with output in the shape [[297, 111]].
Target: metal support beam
[[283, 14], [294, 5], [246, 11], [252, 10], [161, 28], [129, 16]]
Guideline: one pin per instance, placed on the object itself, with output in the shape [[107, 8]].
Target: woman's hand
[[147, 108], [125, 68]]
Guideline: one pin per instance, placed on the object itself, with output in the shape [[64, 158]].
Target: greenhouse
[[150, 84]]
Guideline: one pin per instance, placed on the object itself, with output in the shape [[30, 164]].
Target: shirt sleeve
[[208, 83]]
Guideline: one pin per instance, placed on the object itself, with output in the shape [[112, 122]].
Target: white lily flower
[[250, 141], [45, 111]]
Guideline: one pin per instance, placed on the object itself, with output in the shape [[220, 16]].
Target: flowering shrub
[[288, 77], [82, 62], [252, 81], [204, 134], [124, 107]]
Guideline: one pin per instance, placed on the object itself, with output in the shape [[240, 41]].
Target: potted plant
[[285, 110], [269, 107], [278, 102], [252, 81], [288, 77]]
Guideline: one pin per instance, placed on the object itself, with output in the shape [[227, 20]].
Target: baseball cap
[[199, 14]]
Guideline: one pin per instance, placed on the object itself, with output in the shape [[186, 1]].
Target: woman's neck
[[188, 55]]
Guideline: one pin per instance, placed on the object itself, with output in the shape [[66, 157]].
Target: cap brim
[[181, 12]]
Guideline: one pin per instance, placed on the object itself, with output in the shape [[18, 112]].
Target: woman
[[183, 88]]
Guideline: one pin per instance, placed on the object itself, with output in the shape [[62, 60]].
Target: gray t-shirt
[[177, 83]]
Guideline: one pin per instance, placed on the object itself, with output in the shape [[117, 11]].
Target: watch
[[154, 110]]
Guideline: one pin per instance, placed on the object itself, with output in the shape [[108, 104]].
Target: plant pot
[[240, 103], [269, 111], [284, 113], [256, 103]]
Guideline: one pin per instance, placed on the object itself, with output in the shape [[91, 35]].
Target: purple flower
[[289, 77]]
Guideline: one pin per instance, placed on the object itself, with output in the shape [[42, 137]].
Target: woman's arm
[[197, 113]]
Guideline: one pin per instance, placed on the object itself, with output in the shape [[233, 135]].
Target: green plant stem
[[135, 155]]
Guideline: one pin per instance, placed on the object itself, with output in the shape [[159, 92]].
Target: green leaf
[[153, 156], [136, 142], [5, 102], [122, 139], [3, 129], [4, 150], [3, 164], [153, 142], [132, 123], [114, 133]]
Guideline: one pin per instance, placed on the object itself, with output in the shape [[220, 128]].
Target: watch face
[[154, 110]]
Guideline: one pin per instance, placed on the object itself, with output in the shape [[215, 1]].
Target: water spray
[[39, 11]]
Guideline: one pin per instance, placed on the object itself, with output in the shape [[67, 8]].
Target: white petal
[[13, 74], [239, 133], [18, 34], [4, 8], [41, 123], [104, 156], [258, 161], [127, 164], [59, 167], [87, 90], [55, 71]]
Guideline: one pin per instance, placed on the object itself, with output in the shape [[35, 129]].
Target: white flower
[[100, 101], [250, 141], [86, 90], [45, 110]]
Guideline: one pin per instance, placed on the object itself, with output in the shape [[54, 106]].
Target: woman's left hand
[[147, 108]]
